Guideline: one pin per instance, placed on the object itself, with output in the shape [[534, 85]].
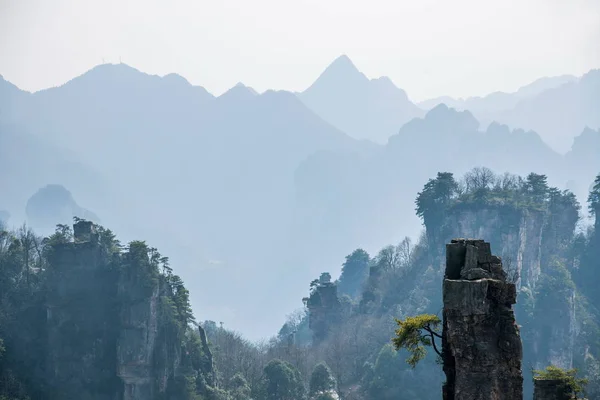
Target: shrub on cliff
[[568, 377]]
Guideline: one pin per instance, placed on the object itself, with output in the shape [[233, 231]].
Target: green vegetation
[[594, 197], [283, 381], [355, 358], [322, 382], [415, 333], [570, 381], [355, 272], [42, 283]]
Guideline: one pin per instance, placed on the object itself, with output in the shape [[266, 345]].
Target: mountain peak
[[444, 115], [239, 92], [343, 67], [341, 73], [343, 62]]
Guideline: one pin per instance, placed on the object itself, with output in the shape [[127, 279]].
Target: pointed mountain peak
[[343, 67], [239, 92], [341, 73], [343, 62]]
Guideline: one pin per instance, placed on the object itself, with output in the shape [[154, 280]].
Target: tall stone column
[[481, 345]]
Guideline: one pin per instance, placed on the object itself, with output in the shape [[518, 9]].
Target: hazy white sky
[[427, 47]]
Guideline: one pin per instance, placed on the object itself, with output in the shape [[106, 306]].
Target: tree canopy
[[321, 380], [283, 381], [414, 333], [355, 272]]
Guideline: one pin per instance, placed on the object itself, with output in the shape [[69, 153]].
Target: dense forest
[[83, 316]]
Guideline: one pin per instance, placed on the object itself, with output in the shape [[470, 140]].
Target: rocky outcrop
[[110, 328], [137, 339], [551, 389], [324, 307], [81, 323], [481, 344], [522, 237]]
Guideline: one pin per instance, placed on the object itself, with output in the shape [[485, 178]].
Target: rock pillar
[[481, 344]]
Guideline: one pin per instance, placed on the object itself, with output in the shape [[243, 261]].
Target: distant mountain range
[[261, 192], [364, 108], [554, 107], [499, 101], [557, 108]]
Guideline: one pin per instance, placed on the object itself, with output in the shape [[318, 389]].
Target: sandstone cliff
[[522, 237], [114, 327], [481, 345]]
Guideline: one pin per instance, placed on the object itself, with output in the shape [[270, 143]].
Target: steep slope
[[365, 109]]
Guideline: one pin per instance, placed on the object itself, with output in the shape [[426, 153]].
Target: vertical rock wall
[[137, 339], [551, 389], [80, 320], [481, 344], [106, 329], [516, 234]]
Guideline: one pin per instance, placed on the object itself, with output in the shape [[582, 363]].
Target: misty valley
[[158, 242]]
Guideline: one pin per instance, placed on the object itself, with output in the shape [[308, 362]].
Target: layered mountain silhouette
[[486, 106], [260, 191], [556, 107], [364, 108], [201, 177], [366, 200], [557, 113]]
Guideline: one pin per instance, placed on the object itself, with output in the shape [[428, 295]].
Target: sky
[[427, 47]]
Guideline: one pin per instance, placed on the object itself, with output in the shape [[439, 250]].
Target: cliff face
[[81, 322], [137, 341], [481, 345], [527, 241], [108, 327], [517, 234]]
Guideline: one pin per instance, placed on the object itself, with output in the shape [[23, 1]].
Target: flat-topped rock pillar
[[481, 345]]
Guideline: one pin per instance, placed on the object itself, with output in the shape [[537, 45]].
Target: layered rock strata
[[481, 344]]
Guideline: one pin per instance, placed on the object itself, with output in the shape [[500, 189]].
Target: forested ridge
[[64, 296]]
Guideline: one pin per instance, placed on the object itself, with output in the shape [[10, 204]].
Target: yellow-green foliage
[[568, 377], [414, 333]]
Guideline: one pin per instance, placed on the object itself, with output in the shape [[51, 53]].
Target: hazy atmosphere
[[254, 200], [429, 48]]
